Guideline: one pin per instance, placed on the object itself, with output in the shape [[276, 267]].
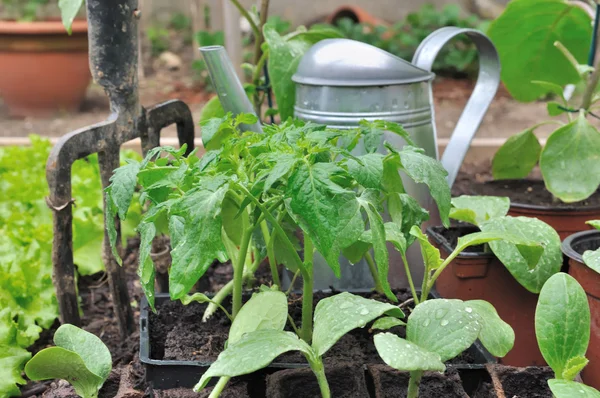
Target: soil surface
[[531, 382], [392, 383]]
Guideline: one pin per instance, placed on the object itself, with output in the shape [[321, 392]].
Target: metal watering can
[[340, 82]]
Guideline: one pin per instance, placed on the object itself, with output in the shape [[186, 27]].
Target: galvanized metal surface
[[113, 34]]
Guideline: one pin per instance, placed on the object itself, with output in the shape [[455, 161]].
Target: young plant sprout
[[79, 357], [252, 350], [439, 330], [250, 192], [591, 258], [562, 328]]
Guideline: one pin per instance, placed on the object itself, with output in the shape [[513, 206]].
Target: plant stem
[[219, 387], [319, 371], [307, 291], [374, 274], [428, 285], [269, 240], [594, 77], [259, 39], [246, 15], [292, 283], [413, 383], [238, 272], [413, 291]]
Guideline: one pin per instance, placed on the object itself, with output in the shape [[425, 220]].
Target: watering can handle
[[485, 89]]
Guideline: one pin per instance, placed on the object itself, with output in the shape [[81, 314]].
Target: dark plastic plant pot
[[573, 247], [481, 276], [168, 374]]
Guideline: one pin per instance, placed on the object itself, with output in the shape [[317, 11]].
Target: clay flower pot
[[42, 69], [356, 14], [573, 247], [481, 276]]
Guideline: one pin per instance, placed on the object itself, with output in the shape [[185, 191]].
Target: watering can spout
[[231, 93]]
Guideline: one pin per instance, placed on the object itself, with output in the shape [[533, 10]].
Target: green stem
[[269, 239], [307, 291], [292, 283], [246, 15], [413, 383], [591, 85], [374, 274], [319, 371], [428, 284], [258, 53], [238, 272], [413, 291], [219, 387], [293, 325]]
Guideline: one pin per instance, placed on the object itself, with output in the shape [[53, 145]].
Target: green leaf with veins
[[431, 255], [284, 164], [528, 230], [394, 235], [123, 183], [424, 169], [571, 389], [12, 360], [254, 351], [496, 335], [517, 156], [232, 221], [202, 244], [265, 310], [369, 174], [214, 131], [146, 270], [573, 367], [337, 315], [406, 212], [391, 181], [477, 209], [570, 160], [403, 355], [386, 323], [591, 258], [562, 322]]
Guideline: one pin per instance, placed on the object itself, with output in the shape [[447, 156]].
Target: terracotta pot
[[42, 69], [481, 276], [356, 14], [573, 247], [565, 220]]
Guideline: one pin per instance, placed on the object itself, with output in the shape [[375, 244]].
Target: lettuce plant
[[556, 55], [252, 349], [79, 357], [562, 328], [439, 330], [248, 194]]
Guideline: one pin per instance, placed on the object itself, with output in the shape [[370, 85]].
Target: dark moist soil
[[387, 382], [527, 192], [530, 382], [177, 333], [456, 231]]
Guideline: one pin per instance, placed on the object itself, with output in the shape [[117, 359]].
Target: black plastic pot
[[168, 374]]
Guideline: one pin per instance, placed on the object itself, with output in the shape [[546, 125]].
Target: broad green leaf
[[477, 209], [232, 221], [403, 355], [253, 352], [337, 315], [517, 156], [368, 201], [394, 235], [265, 310], [329, 213], [594, 223], [201, 209], [372, 132], [123, 183], [570, 160], [195, 298], [424, 169], [176, 230], [573, 367], [60, 363], [551, 88], [562, 321], [406, 212], [146, 270], [591, 258], [12, 360], [370, 173], [392, 182], [571, 389], [214, 131], [496, 335], [212, 109], [69, 10], [284, 164], [533, 56], [386, 323], [356, 251], [446, 327], [527, 230], [431, 255], [246, 118], [555, 108]]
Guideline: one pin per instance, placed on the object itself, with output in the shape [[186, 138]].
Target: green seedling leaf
[[214, 131], [512, 256], [561, 21], [591, 258], [571, 389], [284, 164], [392, 182], [431, 255], [551, 88], [265, 310], [446, 327], [403, 355], [406, 212], [394, 235], [496, 335], [478, 209], [562, 322], [80, 358], [232, 222], [212, 109], [517, 156], [386, 323], [356, 251], [123, 183], [555, 108], [370, 173], [196, 298], [12, 360], [337, 315], [254, 351], [594, 223], [424, 169], [569, 161], [201, 209], [573, 367], [68, 11], [146, 270]]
